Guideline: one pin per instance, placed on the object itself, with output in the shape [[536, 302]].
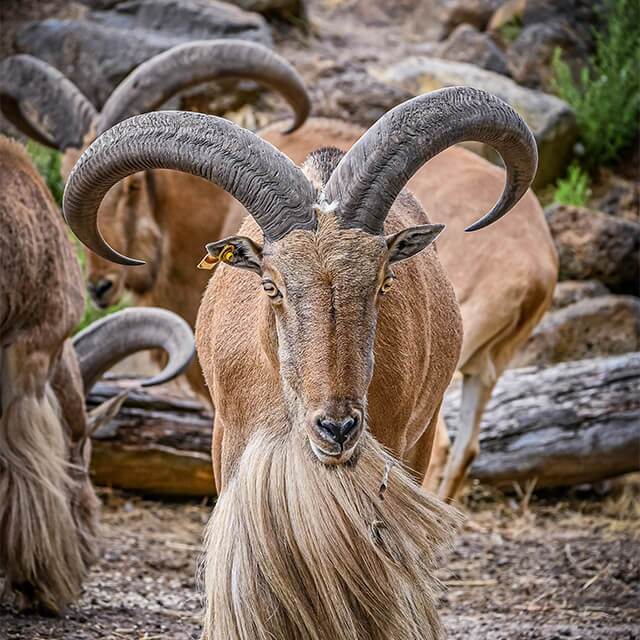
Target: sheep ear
[[236, 251], [408, 242]]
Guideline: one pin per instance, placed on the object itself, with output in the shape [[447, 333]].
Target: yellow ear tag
[[210, 262], [227, 253]]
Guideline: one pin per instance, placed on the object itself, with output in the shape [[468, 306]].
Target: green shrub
[[47, 162], [606, 95], [511, 29], [573, 189]]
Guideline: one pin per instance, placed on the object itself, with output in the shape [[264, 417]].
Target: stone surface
[[546, 25], [529, 56], [283, 8], [616, 196], [351, 93], [509, 12], [137, 29], [467, 44], [438, 18], [603, 326], [551, 120], [594, 246], [571, 291]]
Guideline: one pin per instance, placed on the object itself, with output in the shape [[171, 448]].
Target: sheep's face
[[324, 288], [126, 222]]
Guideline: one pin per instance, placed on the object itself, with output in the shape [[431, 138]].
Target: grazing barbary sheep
[[335, 334], [48, 510], [46, 106]]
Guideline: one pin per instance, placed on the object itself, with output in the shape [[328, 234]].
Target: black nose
[[101, 287], [337, 430]]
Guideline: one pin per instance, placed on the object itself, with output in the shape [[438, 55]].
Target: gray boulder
[[438, 18], [282, 8], [571, 291], [97, 52], [595, 246], [349, 92], [467, 44], [603, 326], [551, 120]]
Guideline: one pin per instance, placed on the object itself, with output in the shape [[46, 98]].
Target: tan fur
[[296, 549], [48, 509], [47, 506], [289, 551]]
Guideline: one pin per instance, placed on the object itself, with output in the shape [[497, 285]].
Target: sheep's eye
[[271, 290], [387, 284]]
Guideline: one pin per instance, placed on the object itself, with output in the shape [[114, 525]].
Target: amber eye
[[271, 290], [387, 284]]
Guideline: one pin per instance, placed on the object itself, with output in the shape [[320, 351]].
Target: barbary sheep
[[334, 334], [48, 509]]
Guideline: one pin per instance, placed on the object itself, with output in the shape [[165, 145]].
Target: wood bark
[[568, 424], [571, 423]]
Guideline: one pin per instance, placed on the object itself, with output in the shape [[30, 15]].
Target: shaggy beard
[[297, 549]]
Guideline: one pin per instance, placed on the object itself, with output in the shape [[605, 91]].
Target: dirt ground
[[563, 566]]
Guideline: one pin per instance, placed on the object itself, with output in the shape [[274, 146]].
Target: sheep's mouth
[[341, 456]]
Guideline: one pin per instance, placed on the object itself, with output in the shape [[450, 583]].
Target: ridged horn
[[107, 341], [155, 81], [272, 189], [44, 104], [374, 171]]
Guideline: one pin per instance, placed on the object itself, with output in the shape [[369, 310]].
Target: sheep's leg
[[441, 447], [39, 548], [418, 457], [475, 395]]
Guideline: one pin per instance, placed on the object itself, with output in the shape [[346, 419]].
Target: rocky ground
[[552, 567]]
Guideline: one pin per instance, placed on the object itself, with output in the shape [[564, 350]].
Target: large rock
[[548, 24], [436, 19], [571, 291], [551, 120], [349, 92], [617, 196], [97, 52], [467, 44], [282, 8], [604, 326], [594, 246], [529, 56]]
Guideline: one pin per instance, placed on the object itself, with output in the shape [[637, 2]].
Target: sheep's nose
[[339, 429], [99, 289]]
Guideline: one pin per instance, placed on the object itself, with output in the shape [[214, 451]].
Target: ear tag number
[[210, 262]]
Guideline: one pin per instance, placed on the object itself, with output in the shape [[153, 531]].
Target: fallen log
[[571, 423], [157, 444]]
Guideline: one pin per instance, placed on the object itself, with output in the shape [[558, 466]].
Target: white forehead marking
[[324, 206]]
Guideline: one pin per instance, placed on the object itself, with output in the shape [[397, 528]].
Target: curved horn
[[272, 189], [371, 175], [107, 341], [44, 104], [156, 80]]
